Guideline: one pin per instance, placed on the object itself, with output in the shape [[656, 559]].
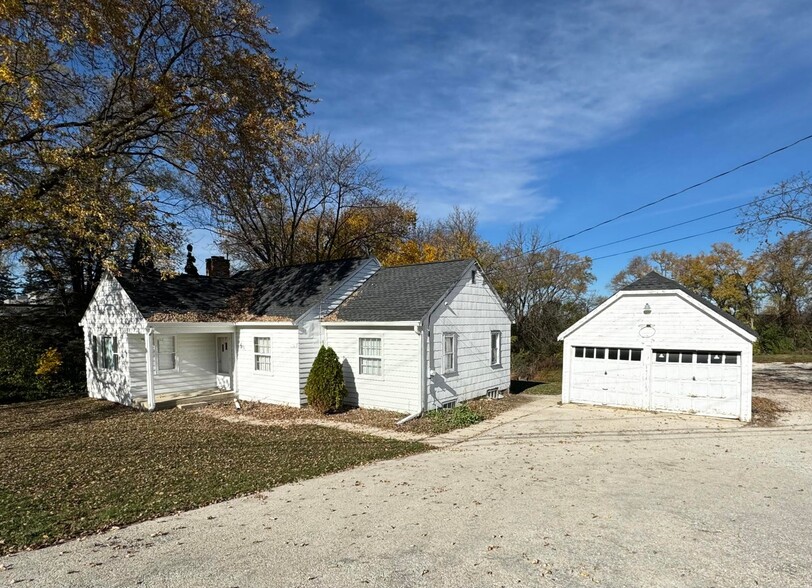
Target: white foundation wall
[[110, 313], [398, 386], [281, 384], [472, 312]]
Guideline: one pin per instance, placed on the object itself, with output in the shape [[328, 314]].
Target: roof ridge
[[466, 259]]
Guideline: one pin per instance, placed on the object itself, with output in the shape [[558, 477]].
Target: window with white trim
[[165, 353], [370, 357], [496, 347], [449, 352], [262, 354], [105, 352]]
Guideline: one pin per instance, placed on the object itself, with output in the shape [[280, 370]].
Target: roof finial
[[190, 268]]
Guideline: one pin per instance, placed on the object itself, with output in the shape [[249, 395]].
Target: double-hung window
[[165, 353], [262, 354], [105, 352], [496, 347], [449, 353], [370, 357]]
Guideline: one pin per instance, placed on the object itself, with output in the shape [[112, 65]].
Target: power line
[[682, 191], [687, 222]]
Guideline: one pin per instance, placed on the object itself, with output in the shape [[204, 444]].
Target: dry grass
[[765, 411], [382, 419], [783, 358], [72, 467]]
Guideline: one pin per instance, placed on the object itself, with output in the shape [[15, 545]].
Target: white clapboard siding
[[471, 312], [310, 332], [398, 387], [110, 313], [675, 321], [195, 365], [281, 384]]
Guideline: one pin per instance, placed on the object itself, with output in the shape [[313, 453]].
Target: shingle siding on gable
[[473, 311], [110, 312]]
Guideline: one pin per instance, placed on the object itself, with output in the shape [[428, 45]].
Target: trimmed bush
[[325, 387]]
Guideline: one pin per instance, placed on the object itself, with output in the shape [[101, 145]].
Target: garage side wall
[[470, 313]]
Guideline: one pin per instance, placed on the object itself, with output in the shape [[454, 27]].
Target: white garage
[[655, 345]]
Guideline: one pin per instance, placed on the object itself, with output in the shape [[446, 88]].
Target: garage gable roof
[[655, 281]]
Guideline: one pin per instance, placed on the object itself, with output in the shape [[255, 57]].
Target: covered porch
[[182, 364]]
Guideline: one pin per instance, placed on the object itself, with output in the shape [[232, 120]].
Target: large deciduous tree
[[104, 105], [315, 201], [787, 203]]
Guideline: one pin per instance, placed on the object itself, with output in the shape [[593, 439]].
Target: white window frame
[[496, 358], [362, 356], [267, 353], [452, 369], [101, 359], [173, 353]]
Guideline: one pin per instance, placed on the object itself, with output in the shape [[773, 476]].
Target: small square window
[[673, 356], [661, 356], [636, 353], [687, 357], [613, 353], [702, 357], [600, 352], [716, 358], [624, 354], [731, 358], [370, 356], [579, 352], [262, 354], [589, 352]]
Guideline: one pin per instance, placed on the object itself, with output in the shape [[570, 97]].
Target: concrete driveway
[[572, 496]]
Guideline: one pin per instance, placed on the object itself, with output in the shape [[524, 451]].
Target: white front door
[[224, 361]]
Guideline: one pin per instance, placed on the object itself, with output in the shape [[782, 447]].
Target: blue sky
[[561, 114]]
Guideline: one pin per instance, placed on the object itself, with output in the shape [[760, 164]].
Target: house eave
[[378, 324]]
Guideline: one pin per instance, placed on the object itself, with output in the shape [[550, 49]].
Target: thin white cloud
[[464, 102]]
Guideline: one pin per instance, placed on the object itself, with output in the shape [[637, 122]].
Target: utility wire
[[687, 222], [678, 192]]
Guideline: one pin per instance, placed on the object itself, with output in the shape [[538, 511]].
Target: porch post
[[150, 388]]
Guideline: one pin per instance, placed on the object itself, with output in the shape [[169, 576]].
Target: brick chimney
[[218, 267]]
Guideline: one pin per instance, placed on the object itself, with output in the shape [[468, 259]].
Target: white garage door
[[706, 382], [608, 375]]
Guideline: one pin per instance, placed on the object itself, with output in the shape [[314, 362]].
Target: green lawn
[[71, 467], [548, 383]]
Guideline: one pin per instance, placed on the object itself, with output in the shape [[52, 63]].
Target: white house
[[655, 345], [411, 338]]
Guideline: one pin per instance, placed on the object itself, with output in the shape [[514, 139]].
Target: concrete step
[[188, 400]]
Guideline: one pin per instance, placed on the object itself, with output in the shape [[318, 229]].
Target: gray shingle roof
[[655, 281], [285, 292], [404, 293]]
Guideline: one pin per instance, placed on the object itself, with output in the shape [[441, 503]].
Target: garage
[[655, 345]]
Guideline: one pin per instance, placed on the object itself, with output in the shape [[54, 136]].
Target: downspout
[[150, 386], [421, 332]]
